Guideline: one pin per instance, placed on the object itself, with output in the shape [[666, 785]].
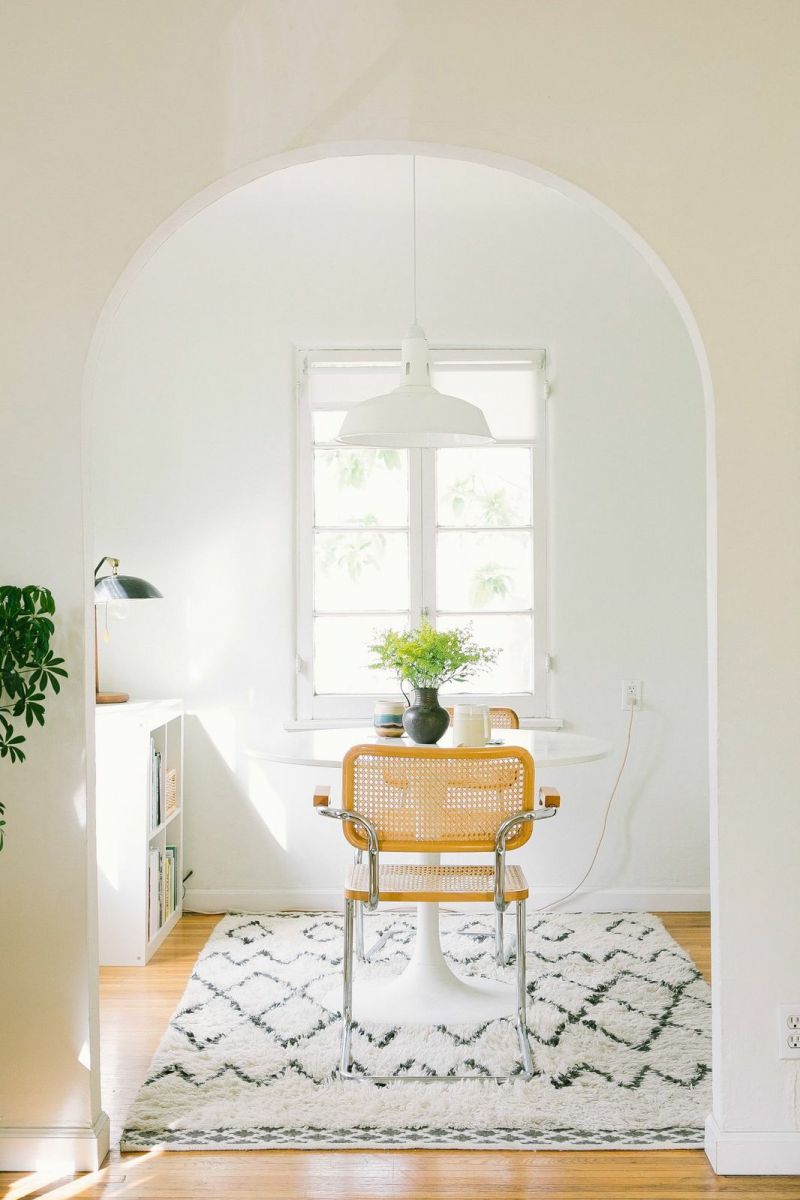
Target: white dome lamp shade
[[415, 415]]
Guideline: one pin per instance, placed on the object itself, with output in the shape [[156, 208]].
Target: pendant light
[[415, 414]]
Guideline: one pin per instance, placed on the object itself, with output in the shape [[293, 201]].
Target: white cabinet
[[139, 827]]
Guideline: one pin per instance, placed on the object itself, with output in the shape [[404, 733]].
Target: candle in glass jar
[[468, 725]]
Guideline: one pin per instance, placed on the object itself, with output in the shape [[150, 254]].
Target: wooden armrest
[[322, 796], [549, 797]]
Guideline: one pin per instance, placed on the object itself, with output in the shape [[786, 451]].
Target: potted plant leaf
[[28, 667], [426, 659]]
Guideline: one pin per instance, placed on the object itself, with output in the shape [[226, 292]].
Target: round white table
[[427, 991], [327, 747]]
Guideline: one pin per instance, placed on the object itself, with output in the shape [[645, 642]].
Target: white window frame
[[422, 534]]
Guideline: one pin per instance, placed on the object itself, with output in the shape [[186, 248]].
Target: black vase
[[425, 720]]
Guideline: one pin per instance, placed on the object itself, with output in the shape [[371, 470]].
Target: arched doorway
[[523, 171]]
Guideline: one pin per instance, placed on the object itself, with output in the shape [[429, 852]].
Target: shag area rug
[[620, 1030]]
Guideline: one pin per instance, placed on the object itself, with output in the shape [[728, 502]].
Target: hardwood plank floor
[[136, 1005]]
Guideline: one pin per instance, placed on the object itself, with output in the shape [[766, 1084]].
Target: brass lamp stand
[[115, 587]]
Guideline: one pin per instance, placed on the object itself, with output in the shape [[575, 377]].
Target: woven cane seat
[[407, 881]]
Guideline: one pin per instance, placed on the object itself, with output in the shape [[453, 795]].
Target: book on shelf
[[162, 888], [172, 865], [166, 890], [154, 911], [157, 786]]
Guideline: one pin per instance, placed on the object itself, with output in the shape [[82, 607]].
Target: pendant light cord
[[414, 237]]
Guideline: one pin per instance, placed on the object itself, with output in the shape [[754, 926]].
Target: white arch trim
[[527, 170]]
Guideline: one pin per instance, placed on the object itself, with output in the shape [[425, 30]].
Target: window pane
[[360, 571], [341, 657], [490, 486], [507, 397], [341, 386], [360, 487], [361, 537], [513, 637], [327, 425], [483, 571]]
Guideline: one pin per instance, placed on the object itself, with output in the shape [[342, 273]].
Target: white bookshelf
[[125, 831]]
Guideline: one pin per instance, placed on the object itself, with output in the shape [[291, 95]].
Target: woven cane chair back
[[500, 718], [503, 718], [427, 800]]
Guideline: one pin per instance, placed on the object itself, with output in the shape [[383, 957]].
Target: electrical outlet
[[789, 1031], [631, 694]]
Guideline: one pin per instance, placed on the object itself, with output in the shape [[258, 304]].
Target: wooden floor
[[136, 1005]]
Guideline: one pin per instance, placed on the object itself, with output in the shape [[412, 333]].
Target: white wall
[[679, 117], [193, 438]]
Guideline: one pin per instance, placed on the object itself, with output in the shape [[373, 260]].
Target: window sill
[[360, 722]]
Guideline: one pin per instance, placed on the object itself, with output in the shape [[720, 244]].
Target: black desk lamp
[[116, 587]]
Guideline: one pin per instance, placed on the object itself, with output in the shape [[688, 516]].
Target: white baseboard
[[752, 1153], [255, 900], [220, 900], [71, 1148]]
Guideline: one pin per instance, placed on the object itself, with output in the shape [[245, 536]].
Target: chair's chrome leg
[[360, 955], [522, 992], [360, 920], [347, 988], [499, 944]]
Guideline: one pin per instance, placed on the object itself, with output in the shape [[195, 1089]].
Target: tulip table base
[[427, 992]]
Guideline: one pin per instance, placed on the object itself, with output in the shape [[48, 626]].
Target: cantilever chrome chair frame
[[546, 806]]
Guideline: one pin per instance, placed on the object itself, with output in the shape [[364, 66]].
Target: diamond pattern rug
[[620, 1031]]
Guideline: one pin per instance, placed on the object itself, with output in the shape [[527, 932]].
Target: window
[[385, 537]]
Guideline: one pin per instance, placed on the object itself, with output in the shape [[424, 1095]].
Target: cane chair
[[499, 718], [425, 799]]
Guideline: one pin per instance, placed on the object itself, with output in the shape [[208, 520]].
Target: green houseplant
[[28, 667], [426, 659]]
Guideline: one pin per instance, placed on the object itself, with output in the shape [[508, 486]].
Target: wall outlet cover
[[789, 1031], [631, 694]]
